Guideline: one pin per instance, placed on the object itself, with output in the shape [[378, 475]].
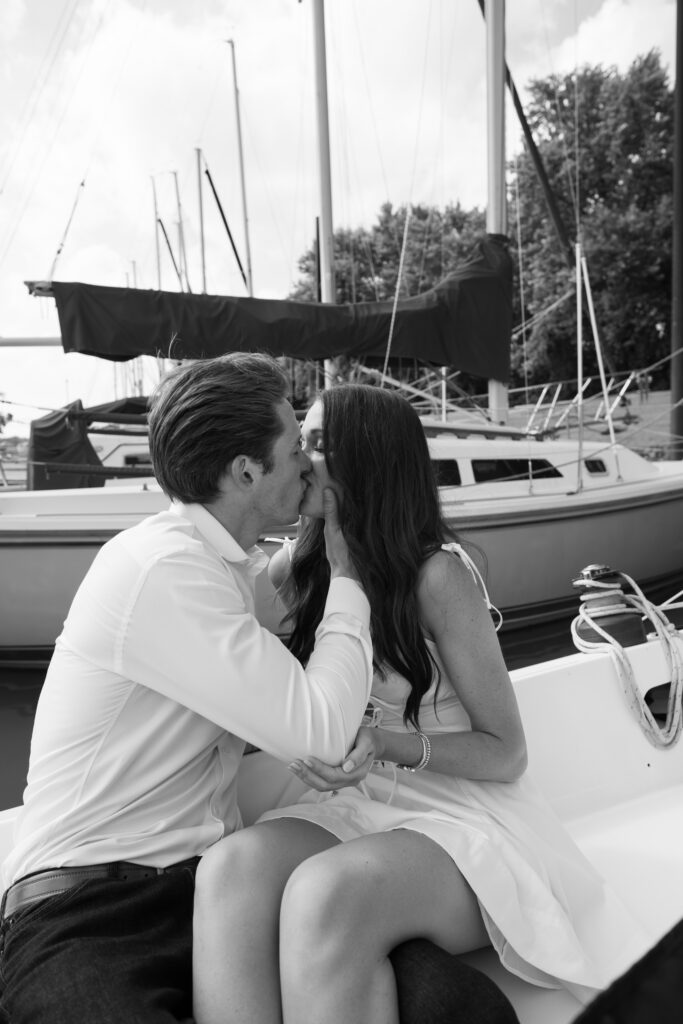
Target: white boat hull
[[535, 534], [45, 554], [534, 548]]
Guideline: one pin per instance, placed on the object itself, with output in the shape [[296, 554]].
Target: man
[[160, 676]]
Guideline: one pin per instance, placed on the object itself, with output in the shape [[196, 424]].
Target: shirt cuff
[[346, 595]]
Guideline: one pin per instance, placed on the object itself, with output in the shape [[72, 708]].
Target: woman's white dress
[[551, 918]]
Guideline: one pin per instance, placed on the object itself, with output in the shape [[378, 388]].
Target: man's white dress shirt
[[160, 676]]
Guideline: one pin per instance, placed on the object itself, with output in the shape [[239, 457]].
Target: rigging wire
[[225, 224], [298, 210], [51, 272], [521, 286], [47, 64], [170, 251], [370, 106], [342, 241], [577, 150], [364, 238], [573, 196], [418, 127], [536, 319], [47, 150], [398, 288], [411, 187], [445, 67]]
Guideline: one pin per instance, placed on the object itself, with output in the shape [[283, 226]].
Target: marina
[[620, 798], [558, 498], [512, 493]]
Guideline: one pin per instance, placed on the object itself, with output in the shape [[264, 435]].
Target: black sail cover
[[465, 322]]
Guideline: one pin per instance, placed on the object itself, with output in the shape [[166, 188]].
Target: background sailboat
[[516, 499]]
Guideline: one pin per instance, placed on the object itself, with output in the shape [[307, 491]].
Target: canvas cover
[[60, 439], [60, 453], [465, 322]]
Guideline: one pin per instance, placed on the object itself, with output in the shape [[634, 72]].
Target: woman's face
[[318, 478]]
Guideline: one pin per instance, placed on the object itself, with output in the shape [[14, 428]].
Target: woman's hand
[[336, 548], [326, 777]]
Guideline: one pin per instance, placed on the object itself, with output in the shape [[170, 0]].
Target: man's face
[[280, 492]]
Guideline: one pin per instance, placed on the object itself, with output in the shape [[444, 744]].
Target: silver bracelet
[[424, 760]]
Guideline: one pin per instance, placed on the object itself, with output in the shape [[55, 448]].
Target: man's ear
[[244, 471]]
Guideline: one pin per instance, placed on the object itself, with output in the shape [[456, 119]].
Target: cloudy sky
[[104, 99]]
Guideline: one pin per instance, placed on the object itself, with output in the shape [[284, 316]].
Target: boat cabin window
[[488, 470], [447, 472], [138, 460], [595, 465]]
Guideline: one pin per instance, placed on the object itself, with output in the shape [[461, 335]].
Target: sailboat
[[514, 495], [603, 725]]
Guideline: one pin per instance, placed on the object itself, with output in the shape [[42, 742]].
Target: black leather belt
[[53, 881]]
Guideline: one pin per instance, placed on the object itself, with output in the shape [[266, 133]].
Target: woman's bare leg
[[239, 888], [345, 909]]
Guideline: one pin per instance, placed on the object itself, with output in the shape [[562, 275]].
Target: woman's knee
[[327, 896], [235, 866]]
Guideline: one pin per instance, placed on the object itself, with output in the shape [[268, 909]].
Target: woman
[[430, 827]]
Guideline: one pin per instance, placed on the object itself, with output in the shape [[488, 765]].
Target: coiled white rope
[[634, 603]]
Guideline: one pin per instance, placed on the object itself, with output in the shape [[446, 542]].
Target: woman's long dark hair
[[375, 449]]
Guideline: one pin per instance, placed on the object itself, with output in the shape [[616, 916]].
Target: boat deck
[[636, 846], [619, 796]]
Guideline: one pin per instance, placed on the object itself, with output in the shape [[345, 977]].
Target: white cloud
[[12, 15]]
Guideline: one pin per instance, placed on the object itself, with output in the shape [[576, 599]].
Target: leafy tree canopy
[[366, 261], [616, 196], [606, 142]]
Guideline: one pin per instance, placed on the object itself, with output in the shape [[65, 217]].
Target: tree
[[620, 203], [366, 261]]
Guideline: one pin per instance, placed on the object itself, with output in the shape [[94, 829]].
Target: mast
[[496, 221], [182, 256], [201, 217], [535, 156], [326, 248], [247, 249], [156, 233], [676, 447], [160, 361]]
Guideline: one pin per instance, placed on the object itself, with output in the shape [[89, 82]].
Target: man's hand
[[335, 545], [326, 777]]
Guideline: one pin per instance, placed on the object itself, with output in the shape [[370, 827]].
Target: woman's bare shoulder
[[278, 567], [444, 573]]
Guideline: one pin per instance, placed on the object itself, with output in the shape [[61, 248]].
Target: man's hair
[[204, 414]]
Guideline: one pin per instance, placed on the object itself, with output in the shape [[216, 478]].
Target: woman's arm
[[454, 615]]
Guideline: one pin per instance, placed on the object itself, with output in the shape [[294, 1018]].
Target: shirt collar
[[253, 561]]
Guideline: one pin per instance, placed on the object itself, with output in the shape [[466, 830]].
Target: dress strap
[[288, 544], [458, 549]]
